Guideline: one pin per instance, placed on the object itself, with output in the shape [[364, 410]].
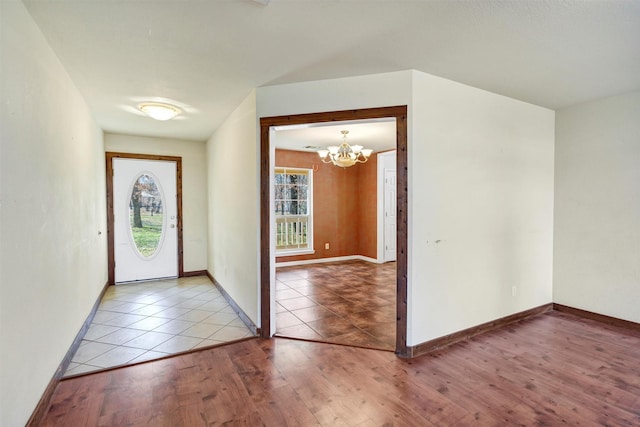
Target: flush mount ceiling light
[[159, 110], [345, 155]]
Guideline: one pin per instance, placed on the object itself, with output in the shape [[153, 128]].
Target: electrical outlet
[[513, 291], [326, 245]]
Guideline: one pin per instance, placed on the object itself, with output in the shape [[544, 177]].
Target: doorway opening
[[267, 268]]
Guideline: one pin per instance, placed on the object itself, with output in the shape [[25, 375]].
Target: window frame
[[308, 248]]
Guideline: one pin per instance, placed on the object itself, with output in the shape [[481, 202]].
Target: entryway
[[144, 207], [137, 322], [143, 318]]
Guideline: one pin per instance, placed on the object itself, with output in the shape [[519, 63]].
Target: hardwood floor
[[552, 369], [349, 302]]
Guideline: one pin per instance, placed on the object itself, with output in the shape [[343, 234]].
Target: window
[[293, 204]]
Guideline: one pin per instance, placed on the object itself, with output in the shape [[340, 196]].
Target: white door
[[390, 228], [145, 219]]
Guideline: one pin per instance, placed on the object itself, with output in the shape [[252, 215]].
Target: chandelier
[[345, 155]]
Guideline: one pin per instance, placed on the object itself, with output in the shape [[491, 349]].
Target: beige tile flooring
[[149, 320]]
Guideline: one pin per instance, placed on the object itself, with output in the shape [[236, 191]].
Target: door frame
[[109, 156], [400, 114]]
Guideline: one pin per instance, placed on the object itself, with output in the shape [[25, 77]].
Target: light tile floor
[[149, 320]]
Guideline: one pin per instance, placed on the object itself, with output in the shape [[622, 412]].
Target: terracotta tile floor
[[350, 302], [149, 320]]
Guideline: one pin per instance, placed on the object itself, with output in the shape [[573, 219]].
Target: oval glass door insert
[[146, 219]]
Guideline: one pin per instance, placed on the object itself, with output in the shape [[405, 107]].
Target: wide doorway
[[344, 297]]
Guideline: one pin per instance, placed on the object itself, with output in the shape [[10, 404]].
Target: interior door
[[145, 219], [390, 229]]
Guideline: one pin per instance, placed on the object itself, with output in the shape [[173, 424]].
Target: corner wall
[[597, 207], [53, 248], [480, 207], [233, 197], [194, 187], [480, 193]]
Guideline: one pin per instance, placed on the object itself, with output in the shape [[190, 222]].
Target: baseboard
[[614, 321], [194, 273], [239, 311], [43, 404], [447, 340], [323, 260]]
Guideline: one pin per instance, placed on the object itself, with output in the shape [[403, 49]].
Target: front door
[[145, 219]]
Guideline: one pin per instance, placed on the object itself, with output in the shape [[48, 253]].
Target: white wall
[[482, 215], [597, 207], [480, 184], [233, 195], [194, 187], [52, 210], [378, 90]]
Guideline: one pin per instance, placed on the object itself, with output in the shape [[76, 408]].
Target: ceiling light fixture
[[345, 155], [159, 110]]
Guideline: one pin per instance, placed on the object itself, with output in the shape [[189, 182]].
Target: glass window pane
[[145, 215], [279, 192], [291, 201]]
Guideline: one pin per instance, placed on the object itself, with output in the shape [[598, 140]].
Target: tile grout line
[[134, 297]]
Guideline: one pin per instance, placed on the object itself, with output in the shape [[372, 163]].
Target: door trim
[[400, 114], [109, 156]]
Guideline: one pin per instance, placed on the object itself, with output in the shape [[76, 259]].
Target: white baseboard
[[333, 259]]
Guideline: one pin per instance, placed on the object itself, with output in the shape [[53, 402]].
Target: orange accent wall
[[368, 208], [344, 206]]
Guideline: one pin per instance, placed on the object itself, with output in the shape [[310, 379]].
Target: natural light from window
[[293, 208]]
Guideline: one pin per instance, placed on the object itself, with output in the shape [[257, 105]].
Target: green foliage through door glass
[[146, 215]]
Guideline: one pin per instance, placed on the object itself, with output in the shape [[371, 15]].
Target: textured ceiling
[[378, 135], [205, 56]]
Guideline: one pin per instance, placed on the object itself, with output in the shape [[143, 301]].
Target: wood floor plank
[[556, 378], [552, 369]]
